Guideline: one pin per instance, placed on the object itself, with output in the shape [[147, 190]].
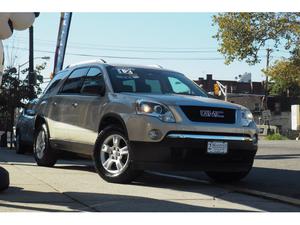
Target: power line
[[79, 44], [97, 47], [126, 57], [140, 50], [133, 57]]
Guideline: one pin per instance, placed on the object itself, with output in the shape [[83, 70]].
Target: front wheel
[[112, 156], [224, 177], [43, 153]]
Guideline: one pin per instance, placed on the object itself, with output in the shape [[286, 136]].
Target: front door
[[88, 109], [65, 114]]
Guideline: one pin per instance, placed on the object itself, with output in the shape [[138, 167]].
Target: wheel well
[[38, 122], [112, 120]]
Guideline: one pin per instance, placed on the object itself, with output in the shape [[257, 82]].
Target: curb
[[276, 197]]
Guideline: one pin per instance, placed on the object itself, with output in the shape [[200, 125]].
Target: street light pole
[[31, 75]]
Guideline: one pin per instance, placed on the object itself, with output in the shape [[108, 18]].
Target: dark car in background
[[25, 129]]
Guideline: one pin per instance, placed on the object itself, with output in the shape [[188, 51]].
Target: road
[[72, 185], [276, 169]]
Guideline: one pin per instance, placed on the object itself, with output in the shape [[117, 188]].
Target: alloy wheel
[[114, 154], [40, 144]]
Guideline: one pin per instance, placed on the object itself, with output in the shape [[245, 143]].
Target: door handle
[[75, 104], [54, 103]]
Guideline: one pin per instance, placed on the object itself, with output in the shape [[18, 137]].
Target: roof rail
[[103, 60], [84, 62], [156, 65]]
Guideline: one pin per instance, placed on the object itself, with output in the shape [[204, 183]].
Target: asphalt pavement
[[276, 169], [73, 185]]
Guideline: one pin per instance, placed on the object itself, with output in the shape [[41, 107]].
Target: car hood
[[181, 100]]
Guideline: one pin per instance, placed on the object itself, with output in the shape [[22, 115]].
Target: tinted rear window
[[55, 81]]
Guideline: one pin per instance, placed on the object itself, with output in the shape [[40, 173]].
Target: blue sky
[[146, 35]]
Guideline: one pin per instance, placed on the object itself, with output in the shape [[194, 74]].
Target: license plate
[[217, 147]]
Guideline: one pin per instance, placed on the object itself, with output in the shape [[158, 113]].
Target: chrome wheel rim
[[114, 154], [40, 144]]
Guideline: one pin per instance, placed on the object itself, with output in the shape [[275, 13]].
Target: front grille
[[209, 114]]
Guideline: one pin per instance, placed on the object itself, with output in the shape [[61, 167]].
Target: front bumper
[[139, 126], [188, 151]]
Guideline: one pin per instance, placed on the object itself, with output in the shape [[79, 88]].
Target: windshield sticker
[[127, 73]]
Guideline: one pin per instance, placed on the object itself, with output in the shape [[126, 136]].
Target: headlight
[[156, 110], [247, 117]]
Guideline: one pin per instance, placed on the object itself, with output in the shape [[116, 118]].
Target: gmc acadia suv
[[132, 118]]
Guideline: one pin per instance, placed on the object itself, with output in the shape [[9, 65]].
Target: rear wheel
[[112, 156], [43, 153], [21, 147]]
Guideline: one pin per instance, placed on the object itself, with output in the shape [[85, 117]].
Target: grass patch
[[274, 137]]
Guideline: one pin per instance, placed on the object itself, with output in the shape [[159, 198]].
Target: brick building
[[251, 95], [256, 88]]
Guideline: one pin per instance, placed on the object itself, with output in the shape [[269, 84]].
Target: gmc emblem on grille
[[211, 114]]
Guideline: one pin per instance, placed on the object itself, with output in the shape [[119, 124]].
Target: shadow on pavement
[[275, 181], [21, 199], [284, 182]]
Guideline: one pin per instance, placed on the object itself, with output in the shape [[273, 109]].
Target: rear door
[[47, 104]]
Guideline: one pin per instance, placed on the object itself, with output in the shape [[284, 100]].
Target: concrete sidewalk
[[72, 185]]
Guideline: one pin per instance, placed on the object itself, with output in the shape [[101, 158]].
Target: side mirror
[[211, 96], [29, 112]]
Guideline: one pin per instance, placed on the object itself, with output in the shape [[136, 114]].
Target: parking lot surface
[[73, 185]]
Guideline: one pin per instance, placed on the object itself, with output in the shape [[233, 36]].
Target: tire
[[4, 179], [43, 153], [21, 147], [227, 177], [111, 162]]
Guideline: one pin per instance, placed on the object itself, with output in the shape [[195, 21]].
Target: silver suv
[[134, 118]]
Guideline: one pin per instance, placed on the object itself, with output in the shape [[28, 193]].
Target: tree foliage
[[242, 35], [285, 78], [16, 93]]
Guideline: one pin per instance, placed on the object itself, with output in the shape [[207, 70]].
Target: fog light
[[154, 134]]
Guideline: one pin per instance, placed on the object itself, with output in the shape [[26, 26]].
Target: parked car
[[24, 131], [134, 118]]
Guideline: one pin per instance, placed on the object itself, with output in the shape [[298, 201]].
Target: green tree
[[285, 78], [15, 93], [242, 35]]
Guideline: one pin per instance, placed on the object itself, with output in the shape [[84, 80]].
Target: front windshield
[[152, 81]]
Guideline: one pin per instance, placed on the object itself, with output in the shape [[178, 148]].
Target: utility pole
[[266, 87], [267, 78], [31, 75]]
